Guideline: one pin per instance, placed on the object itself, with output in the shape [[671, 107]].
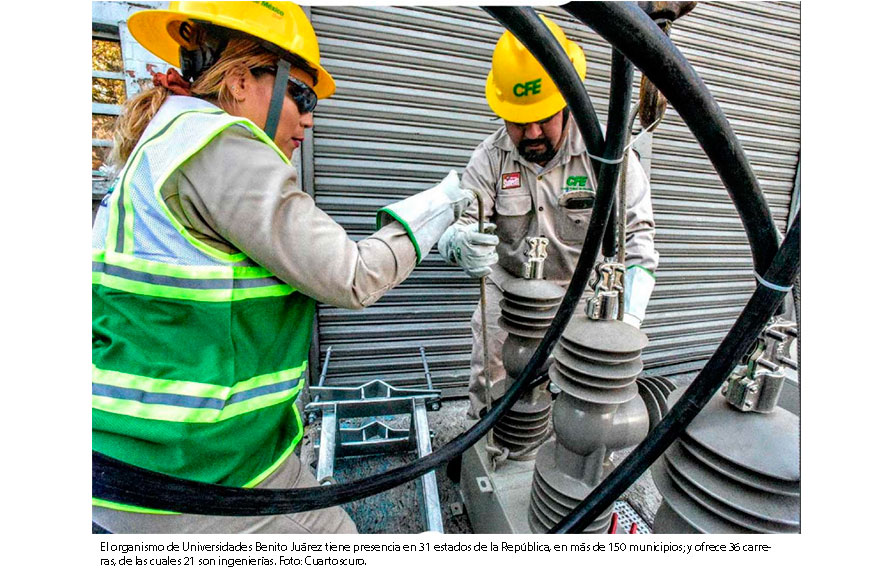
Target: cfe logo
[[527, 88], [576, 182]]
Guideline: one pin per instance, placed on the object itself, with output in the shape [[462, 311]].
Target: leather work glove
[[426, 215], [471, 250], [639, 284]]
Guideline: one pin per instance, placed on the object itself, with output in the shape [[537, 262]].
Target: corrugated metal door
[[410, 107], [749, 56]]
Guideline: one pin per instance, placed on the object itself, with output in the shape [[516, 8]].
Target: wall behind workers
[[410, 106], [749, 56]]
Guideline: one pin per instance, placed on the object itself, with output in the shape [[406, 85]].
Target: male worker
[[537, 180]]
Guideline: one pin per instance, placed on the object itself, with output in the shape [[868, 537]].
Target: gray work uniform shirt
[[526, 200], [237, 194]]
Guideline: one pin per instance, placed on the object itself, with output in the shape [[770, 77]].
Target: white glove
[[426, 215], [471, 250], [639, 284]]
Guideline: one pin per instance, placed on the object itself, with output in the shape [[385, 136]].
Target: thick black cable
[[117, 481], [742, 336], [621, 76], [524, 23], [628, 29], [250, 502]]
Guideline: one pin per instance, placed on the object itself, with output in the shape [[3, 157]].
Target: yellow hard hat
[[280, 24], [518, 89]]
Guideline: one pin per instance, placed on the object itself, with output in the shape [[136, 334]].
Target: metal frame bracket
[[373, 399]]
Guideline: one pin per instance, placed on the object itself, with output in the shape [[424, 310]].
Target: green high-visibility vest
[[198, 355]]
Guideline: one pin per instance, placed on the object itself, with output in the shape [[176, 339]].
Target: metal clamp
[[757, 385], [609, 287], [533, 269], [372, 399]]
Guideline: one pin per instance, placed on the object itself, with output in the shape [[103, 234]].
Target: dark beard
[[542, 157]]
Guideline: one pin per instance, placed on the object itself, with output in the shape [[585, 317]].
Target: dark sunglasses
[[302, 94]]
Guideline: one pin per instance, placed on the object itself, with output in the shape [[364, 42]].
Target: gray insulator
[[529, 306], [731, 472], [525, 425], [595, 366], [556, 491], [598, 361], [654, 392], [527, 309]]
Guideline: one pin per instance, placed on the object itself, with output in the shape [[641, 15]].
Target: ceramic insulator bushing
[[595, 366], [731, 473], [527, 310]]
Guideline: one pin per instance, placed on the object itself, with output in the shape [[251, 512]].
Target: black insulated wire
[[737, 343], [117, 481], [628, 29], [621, 75]]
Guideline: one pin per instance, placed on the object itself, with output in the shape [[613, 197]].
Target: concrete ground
[[397, 511]]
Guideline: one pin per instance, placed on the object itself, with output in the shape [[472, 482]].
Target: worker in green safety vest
[[208, 259]]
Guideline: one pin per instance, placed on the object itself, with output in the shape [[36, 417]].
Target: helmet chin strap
[[277, 101]]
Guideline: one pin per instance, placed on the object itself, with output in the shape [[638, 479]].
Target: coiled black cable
[[761, 306], [117, 481]]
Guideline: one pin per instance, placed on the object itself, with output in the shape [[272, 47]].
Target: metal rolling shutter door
[[749, 56], [409, 108]]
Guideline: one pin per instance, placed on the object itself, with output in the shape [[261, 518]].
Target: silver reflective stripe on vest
[[188, 401], [191, 402], [201, 284]]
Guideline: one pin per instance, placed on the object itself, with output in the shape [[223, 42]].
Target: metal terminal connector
[[756, 386], [537, 253], [608, 289]]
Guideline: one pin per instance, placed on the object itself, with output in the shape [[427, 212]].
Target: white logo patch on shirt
[[510, 180]]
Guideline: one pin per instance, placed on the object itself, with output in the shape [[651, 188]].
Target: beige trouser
[[495, 336], [291, 474]]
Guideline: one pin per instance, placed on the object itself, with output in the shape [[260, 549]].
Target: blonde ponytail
[[135, 116]]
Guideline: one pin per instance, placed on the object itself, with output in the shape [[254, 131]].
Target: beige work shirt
[[236, 194], [526, 200]]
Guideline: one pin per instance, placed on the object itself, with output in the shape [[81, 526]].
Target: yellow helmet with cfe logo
[[518, 89], [282, 27]]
